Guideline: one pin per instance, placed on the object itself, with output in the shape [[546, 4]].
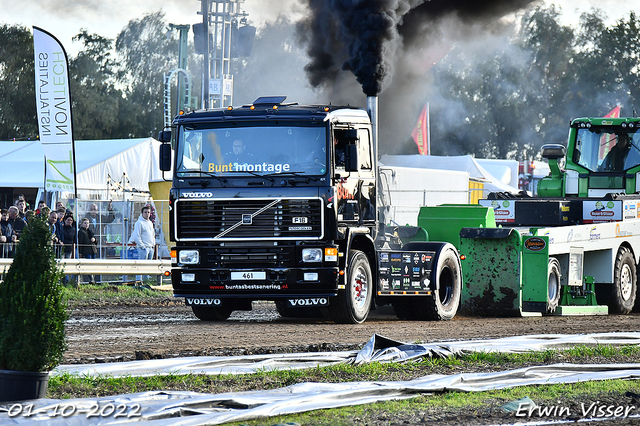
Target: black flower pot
[[22, 385]]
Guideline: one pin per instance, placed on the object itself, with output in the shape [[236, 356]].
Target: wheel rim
[[360, 289], [626, 282], [553, 286], [446, 286]]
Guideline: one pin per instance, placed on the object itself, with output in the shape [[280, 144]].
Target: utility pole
[[205, 65], [183, 55]]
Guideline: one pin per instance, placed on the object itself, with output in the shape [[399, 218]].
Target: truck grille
[[249, 254], [248, 219]]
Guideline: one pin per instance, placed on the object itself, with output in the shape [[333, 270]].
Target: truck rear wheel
[[623, 291], [444, 303], [352, 304], [208, 313], [553, 285]]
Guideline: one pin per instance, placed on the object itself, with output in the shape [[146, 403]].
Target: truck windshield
[[248, 149], [607, 149]]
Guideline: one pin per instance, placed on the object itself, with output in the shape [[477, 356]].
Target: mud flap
[[504, 273]]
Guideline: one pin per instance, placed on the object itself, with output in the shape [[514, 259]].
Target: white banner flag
[[54, 111]]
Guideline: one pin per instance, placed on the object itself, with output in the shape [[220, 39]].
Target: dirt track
[[110, 333]]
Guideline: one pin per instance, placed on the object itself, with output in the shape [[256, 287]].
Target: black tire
[[208, 313], [444, 303], [623, 291], [352, 304], [553, 285]]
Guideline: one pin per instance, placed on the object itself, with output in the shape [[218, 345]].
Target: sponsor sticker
[[535, 244]]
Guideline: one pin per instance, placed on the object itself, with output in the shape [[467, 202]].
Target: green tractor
[[603, 158]]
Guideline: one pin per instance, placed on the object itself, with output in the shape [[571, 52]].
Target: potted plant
[[32, 316]]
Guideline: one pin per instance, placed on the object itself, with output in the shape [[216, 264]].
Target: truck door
[[356, 189]]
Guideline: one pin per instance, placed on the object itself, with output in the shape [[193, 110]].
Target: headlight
[[189, 257], [312, 255]]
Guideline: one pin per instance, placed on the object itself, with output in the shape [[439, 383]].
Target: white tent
[[97, 163], [463, 163]]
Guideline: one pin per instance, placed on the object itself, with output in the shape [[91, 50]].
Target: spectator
[[144, 236], [98, 221], [41, 206], [16, 222], [6, 234], [86, 245], [69, 237], [26, 204], [56, 231], [60, 205], [22, 209], [62, 211]]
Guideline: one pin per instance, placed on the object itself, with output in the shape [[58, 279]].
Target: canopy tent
[[97, 163], [463, 163]]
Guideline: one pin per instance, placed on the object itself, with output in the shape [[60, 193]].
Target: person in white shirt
[[144, 237]]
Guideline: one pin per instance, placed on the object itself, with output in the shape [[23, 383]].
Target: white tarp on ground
[[377, 349], [463, 163], [23, 163], [191, 408]]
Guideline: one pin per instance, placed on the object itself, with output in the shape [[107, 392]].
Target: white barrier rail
[[106, 266]]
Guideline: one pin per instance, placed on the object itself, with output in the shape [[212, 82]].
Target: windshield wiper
[[201, 172], [252, 173], [295, 174]]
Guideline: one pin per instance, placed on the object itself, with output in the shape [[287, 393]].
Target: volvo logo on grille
[[247, 219], [197, 194]]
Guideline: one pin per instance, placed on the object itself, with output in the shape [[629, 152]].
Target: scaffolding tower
[[221, 17]]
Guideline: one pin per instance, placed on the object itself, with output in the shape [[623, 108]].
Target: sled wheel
[[623, 292], [444, 303], [553, 285], [352, 304]]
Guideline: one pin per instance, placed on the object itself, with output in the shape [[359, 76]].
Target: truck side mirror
[[351, 135], [351, 158], [165, 156], [164, 136]]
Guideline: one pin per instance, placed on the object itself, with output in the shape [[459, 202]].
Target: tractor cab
[[602, 157]]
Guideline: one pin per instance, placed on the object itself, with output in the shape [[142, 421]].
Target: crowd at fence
[[91, 229]]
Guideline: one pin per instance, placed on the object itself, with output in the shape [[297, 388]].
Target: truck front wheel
[[207, 313], [352, 304]]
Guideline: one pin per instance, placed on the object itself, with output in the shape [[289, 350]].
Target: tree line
[[507, 98], [502, 96]]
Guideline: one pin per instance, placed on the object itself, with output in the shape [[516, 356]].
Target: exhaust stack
[[372, 110]]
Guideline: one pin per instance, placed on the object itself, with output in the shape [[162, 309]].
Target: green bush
[[32, 309]]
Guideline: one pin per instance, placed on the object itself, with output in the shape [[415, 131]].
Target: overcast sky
[[65, 18]]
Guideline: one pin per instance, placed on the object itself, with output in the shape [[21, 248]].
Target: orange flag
[[420, 134], [605, 144], [614, 113]]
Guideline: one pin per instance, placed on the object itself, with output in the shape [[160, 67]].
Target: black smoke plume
[[364, 36]]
